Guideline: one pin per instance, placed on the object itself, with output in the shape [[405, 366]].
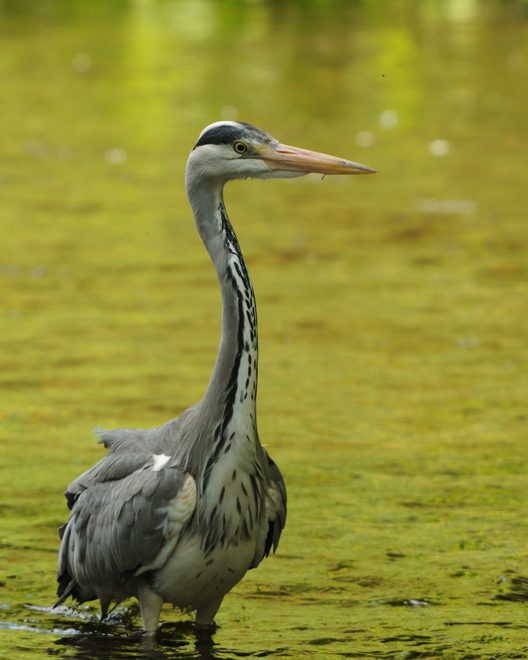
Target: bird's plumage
[[180, 512]]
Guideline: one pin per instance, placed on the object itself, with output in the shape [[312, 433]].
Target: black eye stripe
[[219, 135], [228, 134]]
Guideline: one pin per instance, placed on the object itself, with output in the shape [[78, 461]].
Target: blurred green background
[[392, 308]]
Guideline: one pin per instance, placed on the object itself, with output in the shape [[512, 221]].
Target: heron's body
[[179, 513]]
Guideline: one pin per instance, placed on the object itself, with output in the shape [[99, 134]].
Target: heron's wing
[[123, 527], [112, 467], [129, 450], [274, 514]]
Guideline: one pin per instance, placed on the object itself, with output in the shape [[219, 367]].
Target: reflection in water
[[173, 641], [177, 641], [120, 635]]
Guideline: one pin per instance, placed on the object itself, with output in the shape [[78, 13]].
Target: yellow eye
[[240, 147]]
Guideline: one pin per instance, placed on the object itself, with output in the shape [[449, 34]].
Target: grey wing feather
[[128, 450], [274, 516], [118, 528], [112, 467]]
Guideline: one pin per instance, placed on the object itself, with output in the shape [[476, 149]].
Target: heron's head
[[234, 150]]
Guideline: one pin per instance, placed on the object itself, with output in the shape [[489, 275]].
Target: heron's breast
[[232, 502], [192, 577]]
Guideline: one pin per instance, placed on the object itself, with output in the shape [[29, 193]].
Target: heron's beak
[[286, 158]]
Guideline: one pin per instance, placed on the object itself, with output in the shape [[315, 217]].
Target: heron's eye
[[240, 147]]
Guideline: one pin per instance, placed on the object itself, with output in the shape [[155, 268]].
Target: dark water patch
[[518, 591], [505, 272], [324, 641], [366, 581], [354, 631], [348, 602], [317, 601], [110, 647], [281, 652], [415, 233], [300, 588], [404, 646], [269, 593], [419, 639], [342, 565], [500, 624], [178, 640], [394, 555], [32, 548], [120, 638], [435, 652]]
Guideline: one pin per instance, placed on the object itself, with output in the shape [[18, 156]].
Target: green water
[[392, 308]]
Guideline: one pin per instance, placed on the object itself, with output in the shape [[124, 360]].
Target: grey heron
[[179, 513]]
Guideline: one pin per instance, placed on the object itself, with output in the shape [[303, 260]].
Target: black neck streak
[[241, 386], [238, 277]]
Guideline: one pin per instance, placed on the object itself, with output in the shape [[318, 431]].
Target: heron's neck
[[231, 394], [230, 474]]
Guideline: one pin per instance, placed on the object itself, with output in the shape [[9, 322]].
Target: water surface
[[392, 308]]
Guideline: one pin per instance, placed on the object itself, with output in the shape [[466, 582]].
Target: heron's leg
[[205, 615], [150, 606]]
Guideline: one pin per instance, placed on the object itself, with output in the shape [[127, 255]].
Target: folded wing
[[123, 527], [274, 514]]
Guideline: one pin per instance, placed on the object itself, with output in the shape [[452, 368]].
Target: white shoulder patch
[[160, 460]]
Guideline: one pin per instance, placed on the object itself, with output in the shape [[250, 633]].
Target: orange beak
[[286, 158]]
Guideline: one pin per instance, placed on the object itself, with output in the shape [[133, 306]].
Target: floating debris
[[403, 602]]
